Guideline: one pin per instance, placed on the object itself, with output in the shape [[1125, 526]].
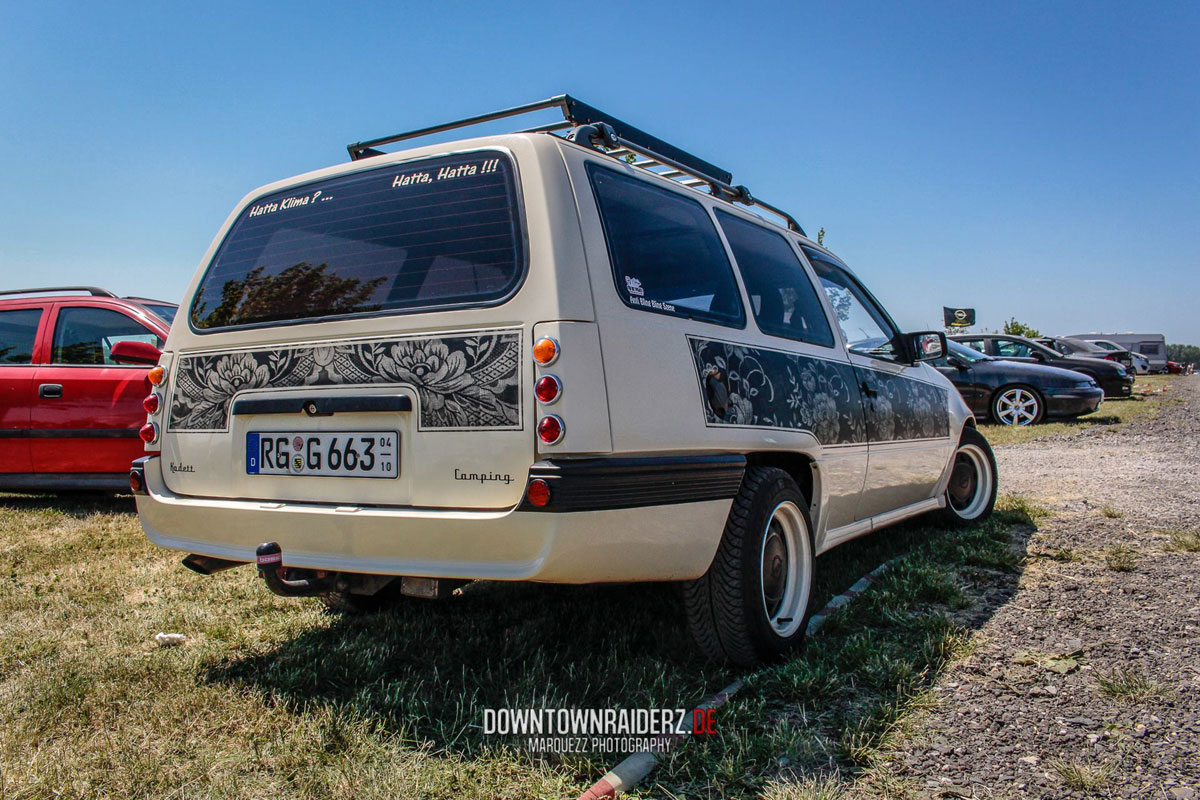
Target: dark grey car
[[1113, 378]]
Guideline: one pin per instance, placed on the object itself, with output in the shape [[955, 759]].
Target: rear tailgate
[[452, 401]]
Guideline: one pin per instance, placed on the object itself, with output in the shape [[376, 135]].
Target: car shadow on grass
[[77, 504], [427, 670]]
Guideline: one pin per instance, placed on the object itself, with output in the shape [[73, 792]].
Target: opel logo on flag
[[958, 317]]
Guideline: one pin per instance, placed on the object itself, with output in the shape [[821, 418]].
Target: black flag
[[958, 317]]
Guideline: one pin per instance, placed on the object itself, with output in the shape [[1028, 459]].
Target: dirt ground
[[1086, 680]]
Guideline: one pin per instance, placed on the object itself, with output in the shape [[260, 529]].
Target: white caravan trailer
[[1151, 345]]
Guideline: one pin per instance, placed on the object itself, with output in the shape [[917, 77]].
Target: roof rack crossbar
[[95, 291], [613, 137]]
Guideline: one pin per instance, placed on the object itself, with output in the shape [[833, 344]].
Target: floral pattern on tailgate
[[774, 389], [462, 381]]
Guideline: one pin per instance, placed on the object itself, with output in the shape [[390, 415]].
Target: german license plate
[[356, 454]]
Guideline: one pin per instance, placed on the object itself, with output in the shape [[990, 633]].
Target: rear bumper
[[1072, 402], [662, 542]]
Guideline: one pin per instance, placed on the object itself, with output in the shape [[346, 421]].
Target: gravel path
[[1101, 595]]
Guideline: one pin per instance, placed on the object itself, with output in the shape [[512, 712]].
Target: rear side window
[[18, 332], [438, 233], [85, 336], [666, 255], [782, 296]]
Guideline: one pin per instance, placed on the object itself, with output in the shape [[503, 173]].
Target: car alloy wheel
[[1017, 406]]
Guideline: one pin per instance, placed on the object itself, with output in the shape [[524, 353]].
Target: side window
[[86, 335], [1007, 348], [665, 252], [864, 326], [782, 297], [18, 332], [974, 344]]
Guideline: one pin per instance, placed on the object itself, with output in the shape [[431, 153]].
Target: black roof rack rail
[[95, 291], [593, 128]]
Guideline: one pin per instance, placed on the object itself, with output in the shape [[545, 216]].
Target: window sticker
[[634, 287]]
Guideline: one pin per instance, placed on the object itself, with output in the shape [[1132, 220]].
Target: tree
[[1184, 354], [1014, 328]]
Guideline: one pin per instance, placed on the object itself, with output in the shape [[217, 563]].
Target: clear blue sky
[[1030, 159]]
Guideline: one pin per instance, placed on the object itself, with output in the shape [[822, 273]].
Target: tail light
[[547, 389], [152, 403], [550, 429], [149, 433], [545, 351], [156, 375], [1110, 358], [538, 493]]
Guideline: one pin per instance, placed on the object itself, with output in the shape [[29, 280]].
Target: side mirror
[[926, 346], [135, 353]]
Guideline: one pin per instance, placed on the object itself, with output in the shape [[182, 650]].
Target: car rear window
[[18, 332], [665, 252], [438, 233], [783, 298]]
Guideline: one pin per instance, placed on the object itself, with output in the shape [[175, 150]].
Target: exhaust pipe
[[269, 557], [207, 565]]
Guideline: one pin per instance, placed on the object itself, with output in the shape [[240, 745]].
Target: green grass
[[1081, 776], [1121, 558], [1127, 685], [1111, 414], [1184, 541], [271, 696]]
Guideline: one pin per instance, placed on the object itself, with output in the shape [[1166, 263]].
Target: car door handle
[[867, 390], [50, 390]]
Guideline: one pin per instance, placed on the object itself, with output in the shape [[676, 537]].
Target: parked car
[[1151, 345], [1015, 393], [1114, 379], [1175, 368], [1078, 347], [69, 408], [1141, 364], [522, 357]]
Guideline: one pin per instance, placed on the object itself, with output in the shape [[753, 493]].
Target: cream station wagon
[[571, 354]]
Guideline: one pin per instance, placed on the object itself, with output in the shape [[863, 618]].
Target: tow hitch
[[269, 556]]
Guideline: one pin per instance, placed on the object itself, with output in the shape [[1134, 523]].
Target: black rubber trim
[[323, 406], [597, 484], [69, 433], [58, 481]]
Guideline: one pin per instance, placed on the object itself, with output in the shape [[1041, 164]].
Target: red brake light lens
[[135, 482], [149, 433], [152, 403], [538, 493], [548, 388], [550, 429]]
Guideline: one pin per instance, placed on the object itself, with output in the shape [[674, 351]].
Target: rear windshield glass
[[440, 232], [665, 252]]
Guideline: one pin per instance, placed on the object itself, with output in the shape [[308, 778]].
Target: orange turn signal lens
[[545, 351], [156, 375]]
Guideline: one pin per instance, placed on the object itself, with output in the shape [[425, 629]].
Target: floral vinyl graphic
[[773, 389], [461, 381]]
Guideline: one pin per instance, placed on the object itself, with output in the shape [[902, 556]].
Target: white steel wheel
[[971, 488], [785, 562], [1017, 405]]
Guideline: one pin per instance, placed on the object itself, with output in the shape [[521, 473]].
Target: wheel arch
[[803, 469]]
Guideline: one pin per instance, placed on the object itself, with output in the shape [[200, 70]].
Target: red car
[[69, 410], [1174, 368]]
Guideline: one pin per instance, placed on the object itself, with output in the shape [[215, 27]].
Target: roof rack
[[95, 291], [593, 128], [150, 300]]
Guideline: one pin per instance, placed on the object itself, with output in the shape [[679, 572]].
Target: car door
[[88, 408], [908, 413], [19, 329]]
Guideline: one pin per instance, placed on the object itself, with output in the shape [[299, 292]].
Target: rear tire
[[1017, 405], [974, 481], [751, 605]]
